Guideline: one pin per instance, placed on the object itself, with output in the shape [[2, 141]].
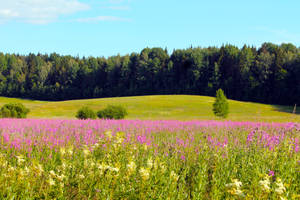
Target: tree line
[[268, 74]]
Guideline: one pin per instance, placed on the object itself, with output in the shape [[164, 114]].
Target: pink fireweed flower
[[182, 157], [271, 173]]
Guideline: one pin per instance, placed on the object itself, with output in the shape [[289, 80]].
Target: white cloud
[[38, 11], [101, 18]]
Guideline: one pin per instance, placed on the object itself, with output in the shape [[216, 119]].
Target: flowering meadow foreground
[[132, 159]]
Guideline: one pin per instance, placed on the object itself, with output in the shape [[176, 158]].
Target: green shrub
[[85, 113], [221, 106], [14, 110], [112, 112]]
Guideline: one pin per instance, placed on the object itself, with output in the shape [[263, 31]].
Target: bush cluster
[[85, 113], [110, 112], [14, 110]]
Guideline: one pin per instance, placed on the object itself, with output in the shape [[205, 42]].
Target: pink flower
[[182, 157], [271, 173]]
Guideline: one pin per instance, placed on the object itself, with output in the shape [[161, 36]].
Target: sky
[[110, 27]]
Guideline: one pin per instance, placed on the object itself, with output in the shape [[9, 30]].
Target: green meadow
[[159, 107]]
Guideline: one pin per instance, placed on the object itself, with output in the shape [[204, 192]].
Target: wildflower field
[[133, 159]]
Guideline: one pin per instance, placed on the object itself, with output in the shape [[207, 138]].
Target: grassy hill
[[181, 107]]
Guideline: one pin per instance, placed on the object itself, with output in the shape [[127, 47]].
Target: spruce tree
[[221, 106]]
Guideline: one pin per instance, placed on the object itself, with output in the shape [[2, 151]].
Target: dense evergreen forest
[[269, 74]]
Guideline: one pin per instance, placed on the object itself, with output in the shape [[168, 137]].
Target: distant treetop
[[268, 74]]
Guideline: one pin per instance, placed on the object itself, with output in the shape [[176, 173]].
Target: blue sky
[[110, 27]]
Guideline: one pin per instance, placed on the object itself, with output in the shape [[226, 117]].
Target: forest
[[268, 74]]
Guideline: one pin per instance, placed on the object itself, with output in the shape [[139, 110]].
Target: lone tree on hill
[[221, 106]]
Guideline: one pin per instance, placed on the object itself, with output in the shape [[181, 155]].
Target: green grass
[[181, 107]]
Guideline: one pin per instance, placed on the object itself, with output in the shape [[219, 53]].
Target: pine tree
[[221, 106]]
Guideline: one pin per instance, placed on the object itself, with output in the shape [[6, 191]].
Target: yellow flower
[[100, 166], [174, 176], [92, 164], [61, 177], [62, 151], [52, 173], [86, 152], [131, 167], [26, 170], [64, 165], [119, 140], [145, 147], [113, 169], [51, 181], [70, 150], [11, 169], [150, 163], [265, 183], [235, 183], [280, 189], [162, 167], [39, 169], [120, 134], [22, 174], [4, 164], [144, 173], [108, 134], [81, 176], [239, 193], [155, 165]]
